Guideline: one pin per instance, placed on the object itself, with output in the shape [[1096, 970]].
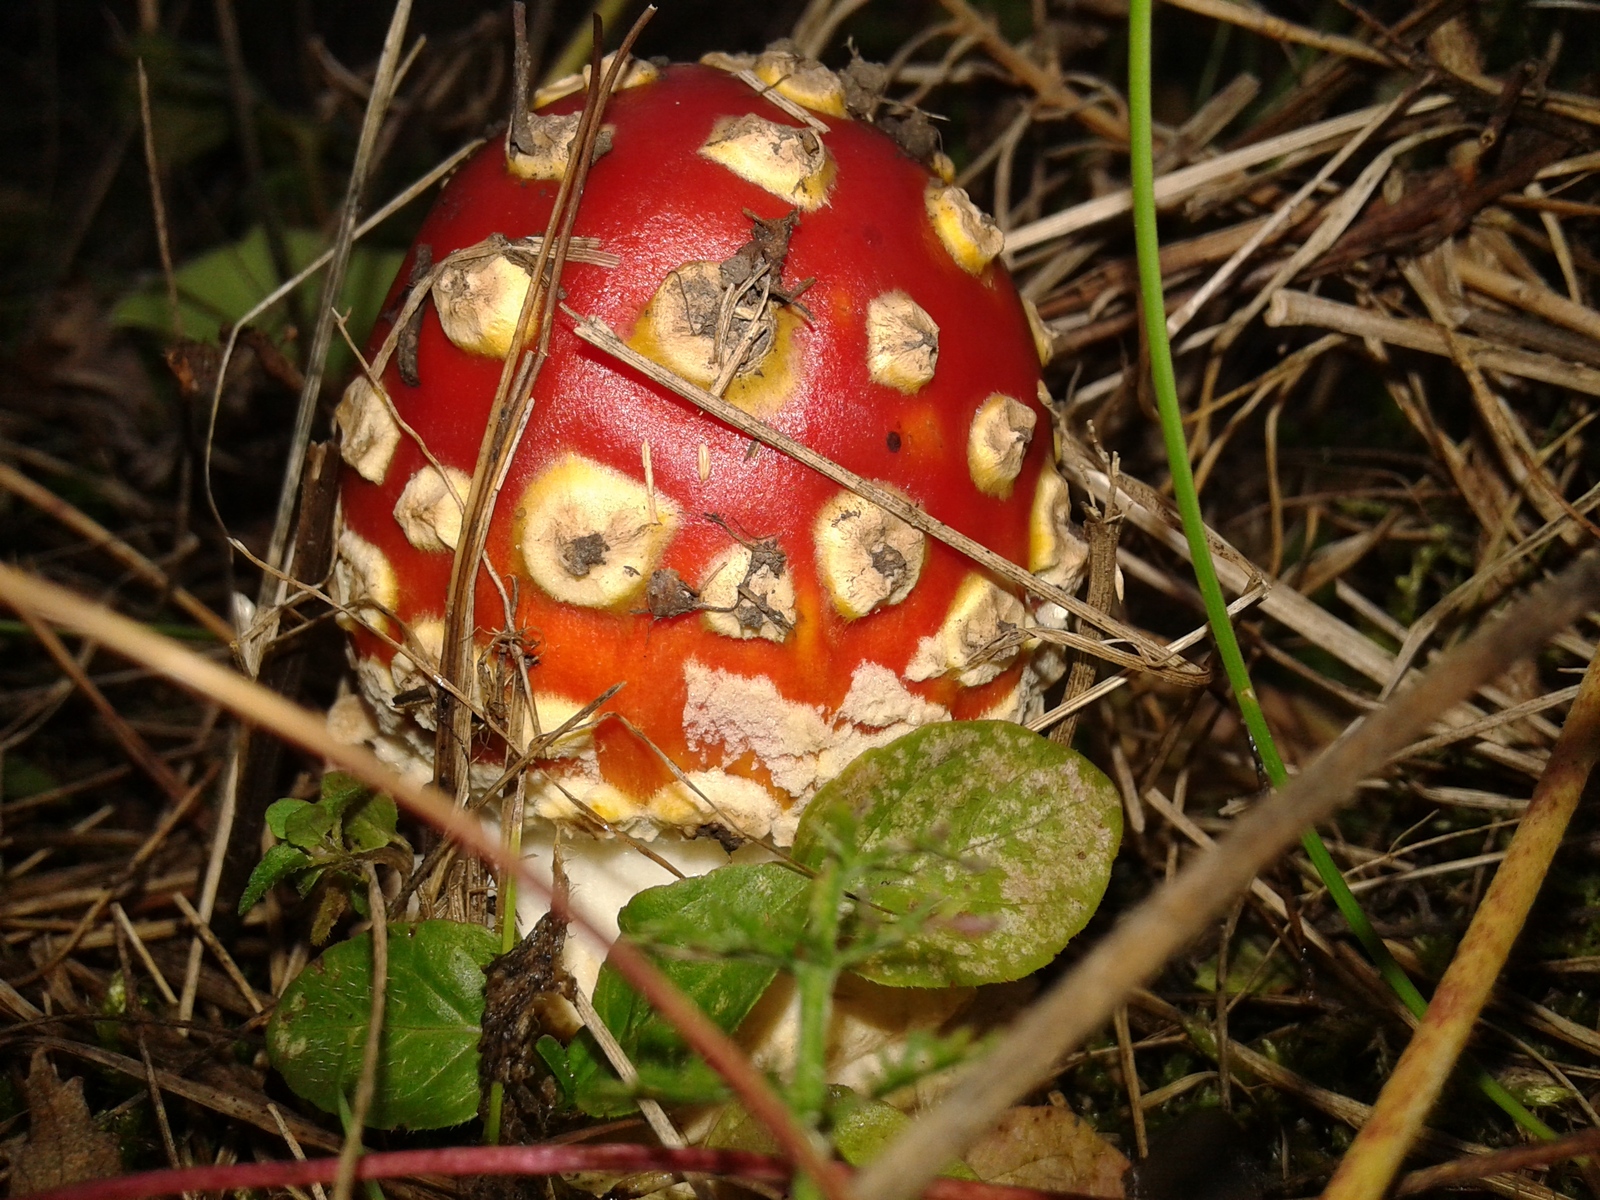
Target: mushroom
[[768, 626]]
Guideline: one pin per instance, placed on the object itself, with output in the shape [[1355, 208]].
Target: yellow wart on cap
[[756, 589], [429, 508], [1055, 553], [973, 642], [587, 537], [1042, 341], [545, 145], [866, 557], [902, 342], [685, 328], [997, 442], [791, 163], [368, 432], [364, 584], [968, 234], [479, 301], [804, 80], [636, 73]]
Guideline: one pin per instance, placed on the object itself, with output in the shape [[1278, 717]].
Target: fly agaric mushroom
[[750, 235]]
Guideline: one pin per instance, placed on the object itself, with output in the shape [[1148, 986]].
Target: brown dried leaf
[[63, 1146], [1050, 1148]]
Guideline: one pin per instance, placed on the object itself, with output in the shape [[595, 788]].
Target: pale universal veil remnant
[[767, 242]]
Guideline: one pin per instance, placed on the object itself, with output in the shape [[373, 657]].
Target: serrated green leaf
[[428, 1058], [695, 916], [279, 812], [306, 827], [371, 826], [1020, 831], [276, 864]]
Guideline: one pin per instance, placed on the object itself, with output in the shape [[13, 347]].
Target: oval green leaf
[[428, 1058], [1008, 836]]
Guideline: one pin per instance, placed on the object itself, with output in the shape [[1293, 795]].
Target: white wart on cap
[[866, 557], [368, 432], [590, 535], [791, 163], [902, 342]]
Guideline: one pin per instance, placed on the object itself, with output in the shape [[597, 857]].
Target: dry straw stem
[[1374, 1157], [98, 535], [266, 709], [1169, 919], [1049, 87], [1280, 30], [1302, 308], [1151, 655], [1482, 1166], [1176, 185]]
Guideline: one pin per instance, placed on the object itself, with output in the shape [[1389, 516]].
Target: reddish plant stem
[[484, 1160]]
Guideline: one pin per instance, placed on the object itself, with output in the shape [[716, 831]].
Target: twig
[[1050, 89], [152, 166], [1302, 308], [214, 944], [547, 1159], [1081, 1002], [383, 82], [1413, 1086], [99, 536], [1279, 30], [1174, 186]]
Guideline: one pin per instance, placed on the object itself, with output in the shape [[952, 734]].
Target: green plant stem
[[814, 977], [1164, 381], [506, 909]]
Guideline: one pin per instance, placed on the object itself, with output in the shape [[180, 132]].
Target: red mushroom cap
[[769, 625]]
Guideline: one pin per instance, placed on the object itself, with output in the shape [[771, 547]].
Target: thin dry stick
[[1175, 186], [1480, 1166], [152, 166], [1537, 300], [1280, 30], [264, 708], [86, 527], [1161, 926], [214, 944], [120, 915], [1302, 308], [1151, 654], [367, 1085], [134, 746], [1374, 1157], [1050, 89], [1285, 211], [322, 337]]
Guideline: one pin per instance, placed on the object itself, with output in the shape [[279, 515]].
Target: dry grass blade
[[1413, 1086], [266, 709], [1145, 938]]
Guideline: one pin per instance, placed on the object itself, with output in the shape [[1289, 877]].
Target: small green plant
[[325, 842], [963, 853]]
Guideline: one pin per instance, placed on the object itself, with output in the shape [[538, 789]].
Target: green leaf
[[698, 917], [428, 1058], [219, 287], [1018, 832], [306, 827], [341, 792], [276, 864], [278, 814], [372, 825]]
